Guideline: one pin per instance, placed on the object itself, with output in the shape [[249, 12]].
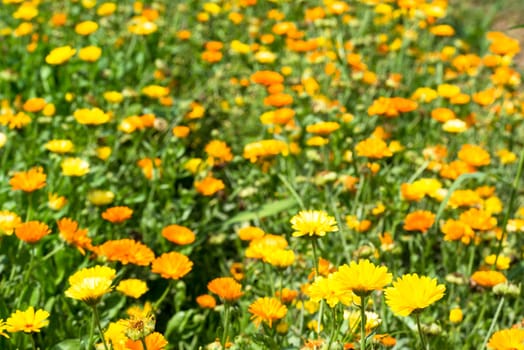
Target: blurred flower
[[104, 152], [74, 167], [313, 223], [172, 265], [86, 27], [488, 278], [226, 288], [177, 234], [420, 220], [218, 152], [28, 181], [106, 9], [507, 339], [100, 197], [32, 231], [362, 278], [206, 301], [455, 315], [503, 262], [474, 155], [126, 251], [59, 146], [265, 148], [117, 214], [154, 341], [181, 131], [27, 321], [70, 232], [90, 53], [34, 105], [8, 222], [113, 96], [60, 55], [209, 186], [250, 233], [93, 116], [132, 287], [267, 310], [411, 293], [90, 284], [155, 91], [281, 258]]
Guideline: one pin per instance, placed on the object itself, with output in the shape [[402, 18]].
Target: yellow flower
[[55, 201], [100, 197], [503, 262], [93, 116], [362, 277], [106, 9], [90, 284], [8, 222], [60, 55], [113, 96], [59, 146], [3, 329], [74, 167], [507, 339], [132, 287], [27, 321], [313, 223], [411, 293], [456, 315], [267, 310], [326, 288], [86, 27], [90, 53]]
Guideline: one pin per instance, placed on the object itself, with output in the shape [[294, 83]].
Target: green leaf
[[268, 209], [68, 344]]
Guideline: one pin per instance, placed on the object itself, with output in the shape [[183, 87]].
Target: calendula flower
[[267, 310], [206, 301], [132, 287], [27, 321], [59, 146], [32, 231], [117, 214], [507, 339], [8, 222], [74, 167], [209, 186], [456, 315], [177, 234], [93, 116], [154, 341], [100, 197], [326, 288], [362, 278], [411, 293], [126, 251], [172, 265], [420, 220], [313, 223], [250, 233], [55, 201], [226, 288], [72, 234], [90, 284], [488, 278], [138, 327], [28, 181], [60, 55]]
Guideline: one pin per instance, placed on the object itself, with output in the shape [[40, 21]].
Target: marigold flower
[[326, 288], [86, 27], [374, 148], [260, 248], [362, 277], [313, 223], [209, 186], [155, 91], [219, 152], [250, 233], [507, 339], [478, 219], [280, 258], [8, 222], [206, 301], [59, 146], [455, 230], [420, 220], [74, 167], [27, 321], [28, 181], [226, 288], [32, 231], [264, 148], [413, 293], [117, 214], [172, 265], [70, 232], [267, 310], [90, 53], [93, 116], [154, 341], [474, 155], [456, 315], [178, 234], [106, 9], [35, 104], [132, 287], [488, 278], [126, 251], [60, 55], [90, 284], [100, 197]]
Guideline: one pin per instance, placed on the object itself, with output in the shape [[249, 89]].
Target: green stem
[[226, 325], [33, 341], [422, 340], [162, 297], [493, 322], [334, 328], [143, 341], [315, 259], [97, 321], [320, 314], [514, 189], [292, 191], [91, 333], [362, 322]]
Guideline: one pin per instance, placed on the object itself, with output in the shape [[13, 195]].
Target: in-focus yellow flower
[[326, 288], [313, 223], [362, 278], [74, 167], [90, 284], [507, 339], [411, 293], [267, 310], [27, 321], [132, 287]]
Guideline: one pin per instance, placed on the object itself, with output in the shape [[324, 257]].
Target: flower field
[[259, 174]]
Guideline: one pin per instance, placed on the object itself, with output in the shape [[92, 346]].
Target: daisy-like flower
[[132, 287], [74, 167], [226, 288], [172, 265], [325, 288], [32, 231], [206, 301], [27, 321], [8, 222], [267, 310], [90, 284], [313, 223], [154, 341], [28, 181], [362, 278], [411, 293], [178, 234], [507, 339], [117, 214], [488, 278], [126, 251]]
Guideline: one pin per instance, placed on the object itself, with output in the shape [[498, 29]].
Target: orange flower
[[264, 148], [456, 168], [478, 219], [474, 155], [28, 181], [442, 114], [374, 148], [32, 231], [154, 341], [178, 234], [226, 288], [267, 77], [69, 232], [34, 105], [117, 214], [278, 100], [150, 167], [502, 44], [454, 230], [206, 301], [218, 152], [488, 278], [323, 128], [250, 233], [420, 220], [172, 265], [126, 251], [267, 310], [209, 186]]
